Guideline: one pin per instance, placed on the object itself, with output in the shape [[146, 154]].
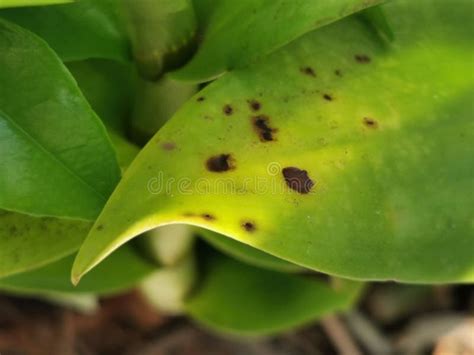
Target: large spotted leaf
[[56, 158], [240, 299], [234, 34], [338, 153]]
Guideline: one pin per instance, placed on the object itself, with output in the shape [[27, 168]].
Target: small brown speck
[[254, 105], [249, 226], [327, 97], [100, 227], [308, 71], [200, 99], [362, 58], [228, 110], [220, 163], [168, 146], [338, 72], [208, 217], [370, 122], [297, 179]]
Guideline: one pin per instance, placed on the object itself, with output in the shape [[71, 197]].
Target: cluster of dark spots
[[362, 58], [328, 97], [297, 179], [249, 226], [220, 163], [208, 217], [228, 110], [308, 71], [100, 227], [338, 72], [254, 105], [370, 122], [168, 146], [200, 99], [264, 131]]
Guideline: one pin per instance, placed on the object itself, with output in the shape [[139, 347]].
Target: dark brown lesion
[[228, 110], [249, 226], [100, 227], [308, 71], [261, 124], [362, 58], [297, 179], [370, 122], [208, 217], [200, 99], [328, 97], [254, 105], [220, 163]]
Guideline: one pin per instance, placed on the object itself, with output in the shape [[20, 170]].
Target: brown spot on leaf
[[327, 97], [297, 179], [228, 110], [338, 72], [262, 127], [254, 105], [308, 71], [370, 122], [362, 58], [100, 227], [168, 146], [249, 226], [220, 163], [208, 217], [200, 99]]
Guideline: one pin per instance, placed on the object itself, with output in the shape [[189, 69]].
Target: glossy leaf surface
[[238, 298], [336, 153], [236, 33], [56, 157], [79, 30]]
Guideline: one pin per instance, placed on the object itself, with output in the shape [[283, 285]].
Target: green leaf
[[246, 253], [15, 3], [241, 299], [56, 157], [108, 87], [80, 30], [29, 242], [236, 33], [335, 153], [122, 271]]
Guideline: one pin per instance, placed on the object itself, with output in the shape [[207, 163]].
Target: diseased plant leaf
[[335, 153], [236, 33], [241, 299], [123, 270], [80, 30], [246, 253], [56, 157], [29, 242]]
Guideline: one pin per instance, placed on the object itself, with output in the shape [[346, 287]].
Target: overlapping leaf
[[373, 144], [56, 157], [236, 33], [241, 299], [79, 30], [123, 270]]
